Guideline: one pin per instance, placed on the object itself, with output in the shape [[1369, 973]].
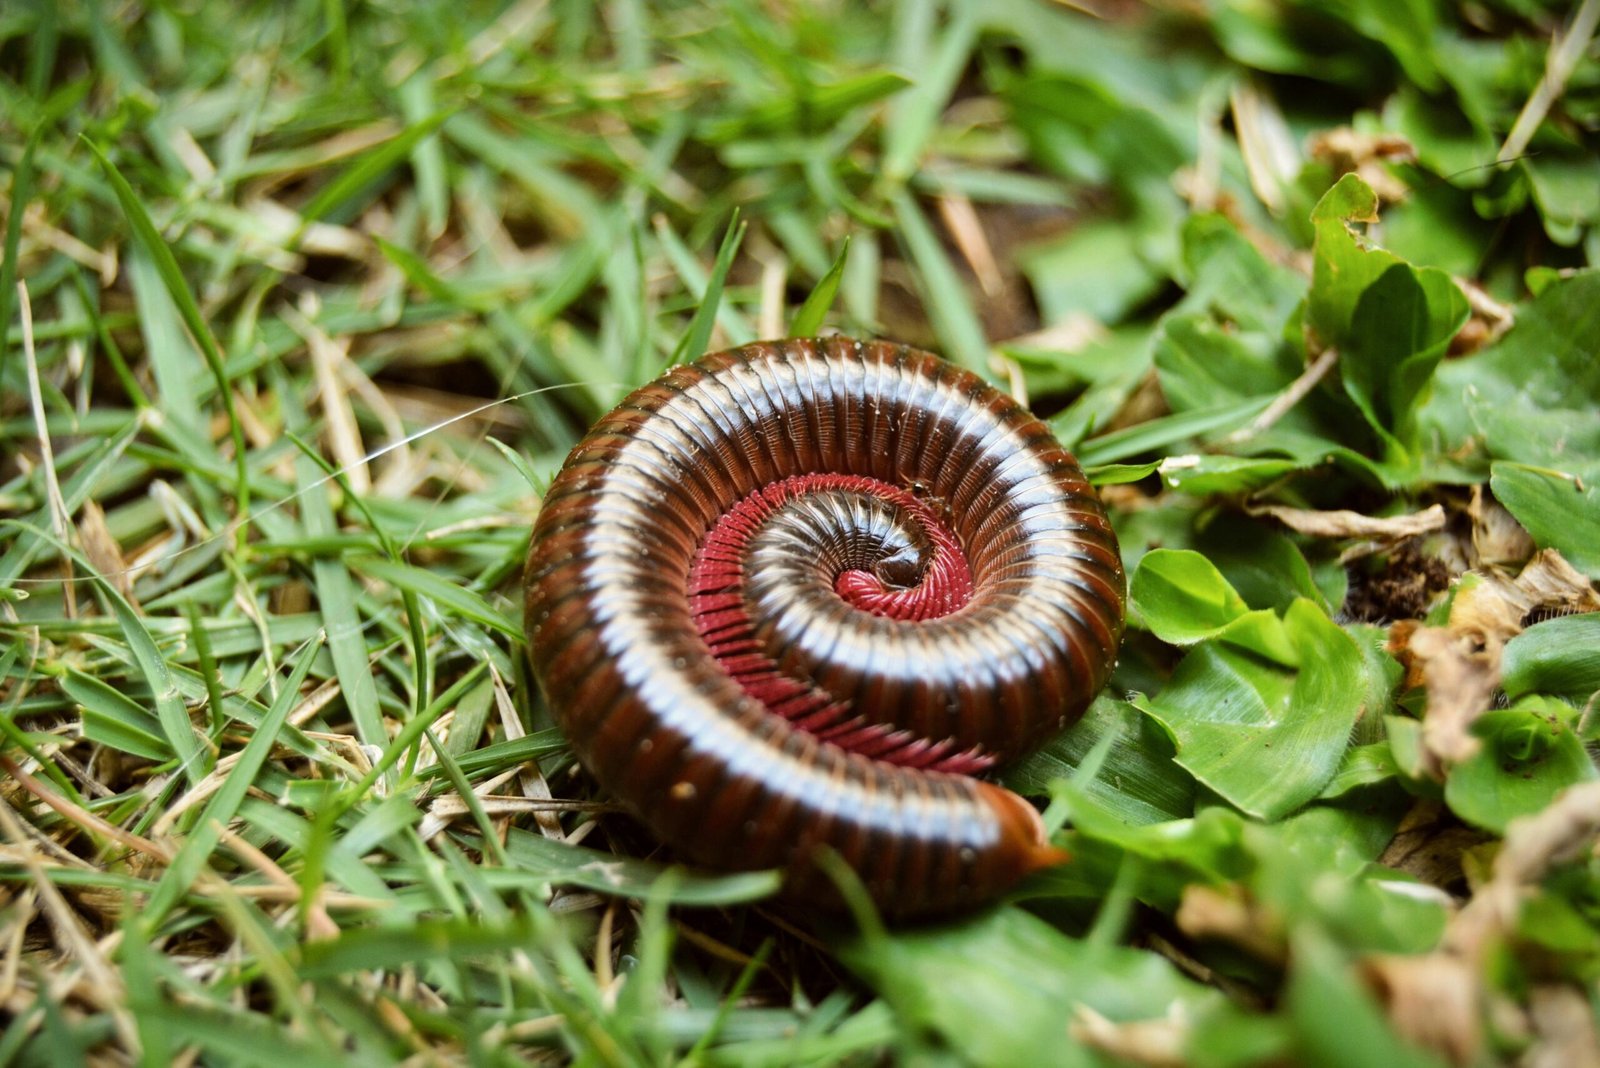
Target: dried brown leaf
[[1343, 523], [1491, 612], [967, 231], [531, 778], [103, 551], [1433, 1000], [1367, 155], [1226, 914], [1460, 679], [1498, 540], [1564, 1029], [1158, 1043]]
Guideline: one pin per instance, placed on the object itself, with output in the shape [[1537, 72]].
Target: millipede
[[799, 595]]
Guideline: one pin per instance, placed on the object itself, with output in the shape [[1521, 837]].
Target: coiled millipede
[[797, 594]]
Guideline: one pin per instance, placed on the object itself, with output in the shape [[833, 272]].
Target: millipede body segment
[[796, 594]]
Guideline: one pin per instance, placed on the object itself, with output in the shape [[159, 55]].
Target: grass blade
[[457, 599], [948, 305], [695, 339], [1167, 430], [171, 711], [21, 194], [364, 171], [191, 858], [150, 239], [808, 320]]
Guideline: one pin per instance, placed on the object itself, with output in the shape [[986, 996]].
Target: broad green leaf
[[1265, 566], [1231, 279], [1098, 269], [1559, 922], [1000, 988], [1447, 142], [1566, 192], [1343, 266], [1204, 475], [1529, 755], [1405, 743], [1120, 474], [1341, 838], [1262, 633], [1435, 226], [1399, 331], [1266, 736], [1262, 36], [1559, 657], [1137, 782], [1532, 397], [1337, 1021], [1406, 28], [1182, 597], [1361, 765], [1156, 862], [1208, 847], [1316, 869], [1204, 363], [1233, 1037], [1095, 71], [1560, 510], [1381, 675], [1391, 322]]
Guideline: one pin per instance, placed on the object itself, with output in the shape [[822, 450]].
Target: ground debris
[[1443, 999], [1409, 582], [1458, 664], [1429, 846]]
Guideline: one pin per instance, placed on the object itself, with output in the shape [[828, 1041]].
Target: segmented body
[[751, 619]]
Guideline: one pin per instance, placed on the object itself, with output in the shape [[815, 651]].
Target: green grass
[[319, 293]]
